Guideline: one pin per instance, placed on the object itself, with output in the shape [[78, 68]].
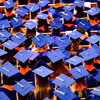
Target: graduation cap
[[9, 4], [43, 3], [42, 71], [16, 21], [42, 16], [75, 60], [69, 7], [2, 52], [23, 87], [30, 24], [32, 7], [74, 35], [63, 42], [39, 40], [4, 24], [67, 15], [67, 54], [62, 79], [84, 24], [79, 3], [10, 44], [65, 93], [8, 69], [18, 38], [49, 39], [78, 72], [3, 96], [1, 16], [93, 39], [56, 24], [97, 76], [4, 35], [23, 55], [21, 11], [89, 54], [56, 55], [96, 91]]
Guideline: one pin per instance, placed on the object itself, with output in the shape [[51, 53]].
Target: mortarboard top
[[4, 24], [74, 35], [49, 39], [30, 24], [97, 76], [32, 7], [95, 97], [56, 55], [4, 35], [96, 91], [39, 40], [23, 55], [2, 52], [84, 24], [65, 93], [67, 15], [46, 98], [43, 3], [18, 38], [1, 16], [16, 21], [69, 7], [10, 44], [56, 24], [9, 4], [42, 71], [79, 3], [42, 16], [23, 87], [93, 39], [62, 79], [78, 72], [63, 41], [8, 69], [3, 96], [75, 60], [89, 54], [21, 11]]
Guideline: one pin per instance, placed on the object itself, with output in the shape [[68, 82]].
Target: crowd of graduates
[[49, 49]]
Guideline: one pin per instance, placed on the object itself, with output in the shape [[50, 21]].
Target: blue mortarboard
[[1, 16], [2, 52], [84, 24], [97, 76], [67, 54], [63, 42], [78, 3], [39, 40], [67, 15], [10, 44], [75, 35], [75, 60], [78, 72], [55, 24], [21, 11], [18, 38], [4, 35], [62, 79], [49, 39], [23, 55], [4, 24], [43, 3], [3, 96], [30, 24], [89, 54], [16, 21], [46, 98], [42, 71], [96, 91], [64, 93], [32, 7], [56, 55], [69, 7], [23, 87], [8, 69], [93, 39], [42, 16], [9, 4]]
